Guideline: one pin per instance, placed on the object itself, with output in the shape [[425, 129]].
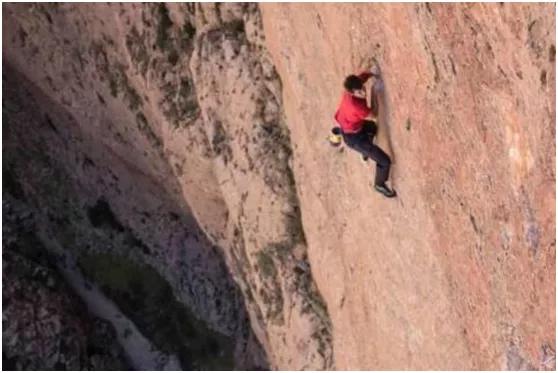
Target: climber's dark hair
[[352, 83]]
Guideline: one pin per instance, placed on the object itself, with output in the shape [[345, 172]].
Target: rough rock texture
[[138, 151], [459, 271], [189, 137], [44, 325], [240, 99]]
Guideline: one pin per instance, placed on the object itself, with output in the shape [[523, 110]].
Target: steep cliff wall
[[159, 139], [459, 271], [184, 143]]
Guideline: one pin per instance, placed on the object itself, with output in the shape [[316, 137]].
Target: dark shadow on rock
[[56, 154]]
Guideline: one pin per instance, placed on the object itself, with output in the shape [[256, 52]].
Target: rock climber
[[357, 122]]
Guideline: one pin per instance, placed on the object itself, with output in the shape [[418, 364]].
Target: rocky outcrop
[[241, 107], [162, 136], [44, 324], [183, 144]]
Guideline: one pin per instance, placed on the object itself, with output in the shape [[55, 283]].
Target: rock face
[[187, 140], [44, 325], [458, 272], [163, 140]]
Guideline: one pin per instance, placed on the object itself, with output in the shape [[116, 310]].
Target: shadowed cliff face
[[157, 142], [176, 152], [45, 325]]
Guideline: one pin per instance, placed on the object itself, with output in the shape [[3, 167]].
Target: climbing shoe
[[385, 190]]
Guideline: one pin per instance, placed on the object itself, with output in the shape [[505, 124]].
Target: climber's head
[[354, 85]]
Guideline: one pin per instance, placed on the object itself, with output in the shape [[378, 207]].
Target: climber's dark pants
[[362, 143]]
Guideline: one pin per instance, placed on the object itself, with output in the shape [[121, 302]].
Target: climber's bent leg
[[362, 144], [383, 164], [370, 128]]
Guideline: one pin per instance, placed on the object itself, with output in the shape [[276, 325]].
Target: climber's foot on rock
[[385, 190]]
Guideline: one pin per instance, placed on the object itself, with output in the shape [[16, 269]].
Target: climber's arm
[[364, 76], [373, 110]]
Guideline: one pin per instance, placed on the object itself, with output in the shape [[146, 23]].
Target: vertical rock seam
[[239, 93]]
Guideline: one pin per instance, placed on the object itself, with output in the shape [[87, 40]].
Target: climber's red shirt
[[352, 110]]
